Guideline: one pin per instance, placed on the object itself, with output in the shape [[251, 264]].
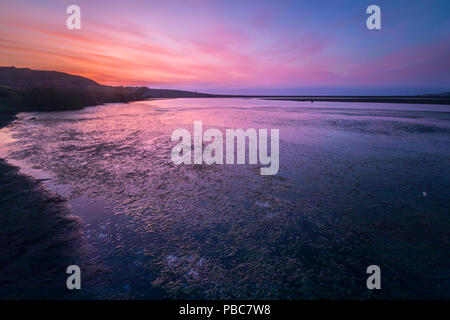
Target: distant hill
[[23, 89], [24, 78]]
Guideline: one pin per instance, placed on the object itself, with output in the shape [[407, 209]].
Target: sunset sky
[[228, 46]]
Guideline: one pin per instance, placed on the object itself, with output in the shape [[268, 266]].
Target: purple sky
[[271, 47]]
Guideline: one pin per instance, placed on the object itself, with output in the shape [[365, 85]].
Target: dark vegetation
[[23, 89]]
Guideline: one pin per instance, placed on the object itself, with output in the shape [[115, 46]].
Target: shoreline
[[406, 100], [428, 100], [6, 119], [26, 266], [36, 228]]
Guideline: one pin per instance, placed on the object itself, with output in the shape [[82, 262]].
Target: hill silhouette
[[23, 89]]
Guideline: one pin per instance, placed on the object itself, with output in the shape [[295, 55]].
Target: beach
[[39, 239], [359, 184]]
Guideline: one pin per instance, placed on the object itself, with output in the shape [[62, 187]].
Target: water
[[349, 193]]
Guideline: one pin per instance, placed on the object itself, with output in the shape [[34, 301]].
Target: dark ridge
[[24, 78], [372, 99], [23, 89], [442, 94]]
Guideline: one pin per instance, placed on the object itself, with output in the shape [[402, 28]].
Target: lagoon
[[349, 193]]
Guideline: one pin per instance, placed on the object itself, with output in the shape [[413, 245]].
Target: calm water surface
[[358, 184]]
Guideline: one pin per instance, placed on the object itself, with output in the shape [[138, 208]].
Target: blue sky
[[283, 47]]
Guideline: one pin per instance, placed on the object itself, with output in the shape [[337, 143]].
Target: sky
[[244, 47]]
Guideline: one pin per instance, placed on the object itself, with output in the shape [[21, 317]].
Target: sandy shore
[[35, 228], [360, 187]]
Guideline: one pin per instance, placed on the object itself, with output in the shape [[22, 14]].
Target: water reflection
[[347, 193]]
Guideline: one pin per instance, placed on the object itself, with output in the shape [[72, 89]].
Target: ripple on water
[[226, 231]]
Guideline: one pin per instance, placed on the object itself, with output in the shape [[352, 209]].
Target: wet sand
[[38, 237], [349, 194]]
